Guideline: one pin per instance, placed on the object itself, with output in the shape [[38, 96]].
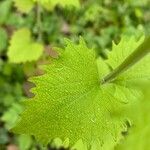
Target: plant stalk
[[131, 60], [39, 22]]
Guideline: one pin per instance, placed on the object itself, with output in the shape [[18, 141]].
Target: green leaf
[[93, 11], [5, 7], [24, 6], [3, 39], [10, 116], [22, 48], [79, 146], [137, 73], [25, 142], [67, 3], [3, 138], [50, 4], [138, 135], [70, 103]]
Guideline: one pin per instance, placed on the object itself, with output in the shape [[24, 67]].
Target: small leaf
[[5, 7], [50, 4], [22, 48], [10, 116], [25, 142], [24, 6]]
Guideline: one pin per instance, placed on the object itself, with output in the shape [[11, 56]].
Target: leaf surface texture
[[71, 103]]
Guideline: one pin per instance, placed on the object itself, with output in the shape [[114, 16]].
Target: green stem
[[135, 57], [39, 22]]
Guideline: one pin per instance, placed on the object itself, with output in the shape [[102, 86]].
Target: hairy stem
[[131, 60]]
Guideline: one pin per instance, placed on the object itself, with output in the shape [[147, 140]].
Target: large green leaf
[[71, 103]]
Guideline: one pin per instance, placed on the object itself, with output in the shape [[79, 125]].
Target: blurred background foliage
[[98, 21]]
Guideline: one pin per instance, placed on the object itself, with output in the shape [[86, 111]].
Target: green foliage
[[121, 51], [98, 21], [138, 2], [25, 142], [69, 98], [5, 7], [22, 48], [11, 78], [138, 135], [3, 39], [26, 6], [50, 4], [11, 115]]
